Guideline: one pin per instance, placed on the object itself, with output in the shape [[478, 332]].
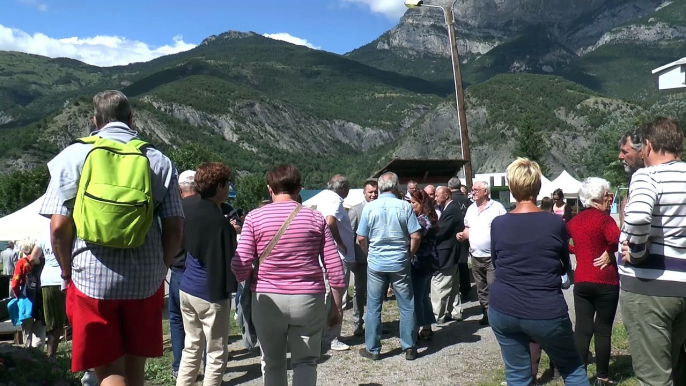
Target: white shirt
[[51, 274], [479, 225], [329, 203]]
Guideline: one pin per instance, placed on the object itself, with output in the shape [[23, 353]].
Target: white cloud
[[393, 9], [286, 37], [98, 50]]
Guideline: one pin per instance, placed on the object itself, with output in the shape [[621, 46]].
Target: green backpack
[[114, 206]]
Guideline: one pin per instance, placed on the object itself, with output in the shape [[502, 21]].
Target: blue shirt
[[388, 223], [530, 252], [195, 279]]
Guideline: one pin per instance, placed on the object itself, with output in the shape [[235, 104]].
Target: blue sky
[[117, 32]]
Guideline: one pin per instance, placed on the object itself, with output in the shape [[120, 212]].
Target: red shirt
[[21, 269], [593, 232]]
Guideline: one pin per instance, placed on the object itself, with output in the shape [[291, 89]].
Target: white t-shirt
[[479, 225], [329, 203], [52, 273]]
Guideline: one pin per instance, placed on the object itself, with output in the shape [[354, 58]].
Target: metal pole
[[459, 97]]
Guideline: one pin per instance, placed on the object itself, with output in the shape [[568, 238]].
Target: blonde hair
[[524, 179], [26, 245]]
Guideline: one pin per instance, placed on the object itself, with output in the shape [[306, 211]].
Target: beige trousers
[[292, 322], [33, 333], [445, 293], [207, 327]]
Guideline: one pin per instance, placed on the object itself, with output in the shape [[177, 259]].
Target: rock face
[[658, 33], [485, 24], [282, 126]]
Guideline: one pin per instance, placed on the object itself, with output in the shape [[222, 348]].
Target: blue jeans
[[377, 282], [555, 337], [422, 304], [178, 335]]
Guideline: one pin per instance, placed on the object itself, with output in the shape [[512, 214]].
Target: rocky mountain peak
[[484, 24], [228, 35]]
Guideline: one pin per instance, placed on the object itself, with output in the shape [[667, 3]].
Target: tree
[[20, 188], [530, 144], [250, 191], [189, 157]]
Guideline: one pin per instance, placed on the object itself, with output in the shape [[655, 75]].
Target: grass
[[621, 371]]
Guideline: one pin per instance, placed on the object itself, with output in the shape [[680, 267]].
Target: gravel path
[[462, 353]]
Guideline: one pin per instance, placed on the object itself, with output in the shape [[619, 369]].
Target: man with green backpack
[[116, 224]]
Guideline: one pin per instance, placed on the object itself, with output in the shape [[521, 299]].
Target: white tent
[[547, 188], [23, 223], [569, 185], [355, 196]]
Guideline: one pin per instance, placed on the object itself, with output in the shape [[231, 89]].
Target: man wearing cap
[[189, 198]]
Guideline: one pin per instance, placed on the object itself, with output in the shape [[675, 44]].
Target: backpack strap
[[139, 144], [86, 140]]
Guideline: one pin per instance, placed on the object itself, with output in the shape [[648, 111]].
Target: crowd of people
[[289, 266]]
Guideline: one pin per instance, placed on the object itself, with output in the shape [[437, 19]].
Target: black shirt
[[180, 259], [210, 239]]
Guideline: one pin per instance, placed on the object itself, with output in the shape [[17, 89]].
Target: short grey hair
[[454, 183], [187, 180], [592, 191], [338, 183], [388, 182], [111, 106], [484, 185], [632, 136]]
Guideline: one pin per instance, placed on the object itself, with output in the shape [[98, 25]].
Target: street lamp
[[457, 78]]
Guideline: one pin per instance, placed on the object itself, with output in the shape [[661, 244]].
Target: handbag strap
[[280, 233]]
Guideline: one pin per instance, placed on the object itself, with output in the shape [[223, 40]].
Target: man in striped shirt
[[653, 273]]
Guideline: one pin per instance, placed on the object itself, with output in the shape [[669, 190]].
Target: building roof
[[422, 170], [670, 65]]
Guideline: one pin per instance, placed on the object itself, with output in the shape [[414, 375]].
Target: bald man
[[431, 191], [445, 297]]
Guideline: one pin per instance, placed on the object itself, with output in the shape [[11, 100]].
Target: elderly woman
[[288, 303], [207, 284], [596, 290], [530, 252], [26, 283]]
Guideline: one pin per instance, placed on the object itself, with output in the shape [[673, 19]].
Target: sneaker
[[89, 379], [175, 374], [366, 354], [456, 317], [337, 345], [359, 331], [601, 382], [411, 354]]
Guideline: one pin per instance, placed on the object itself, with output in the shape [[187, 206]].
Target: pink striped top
[[292, 268]]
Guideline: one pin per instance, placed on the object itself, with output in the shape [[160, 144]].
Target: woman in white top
[[54, 299]]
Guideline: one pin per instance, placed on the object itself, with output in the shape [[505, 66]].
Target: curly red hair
[[209, 176]]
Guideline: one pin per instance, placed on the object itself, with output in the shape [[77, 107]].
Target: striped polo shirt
[[292, 268], [655, 227]]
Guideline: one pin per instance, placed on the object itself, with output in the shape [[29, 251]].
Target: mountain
[[553, 80], [608, 46], [251, 99]]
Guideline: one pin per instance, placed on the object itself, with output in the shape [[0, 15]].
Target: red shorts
[[105, 330]]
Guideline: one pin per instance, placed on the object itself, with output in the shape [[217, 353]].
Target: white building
[[672, 75]]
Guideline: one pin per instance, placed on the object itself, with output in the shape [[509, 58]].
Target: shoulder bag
[[245, 302]]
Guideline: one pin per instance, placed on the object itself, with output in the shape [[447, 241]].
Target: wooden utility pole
[[459, 97]]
